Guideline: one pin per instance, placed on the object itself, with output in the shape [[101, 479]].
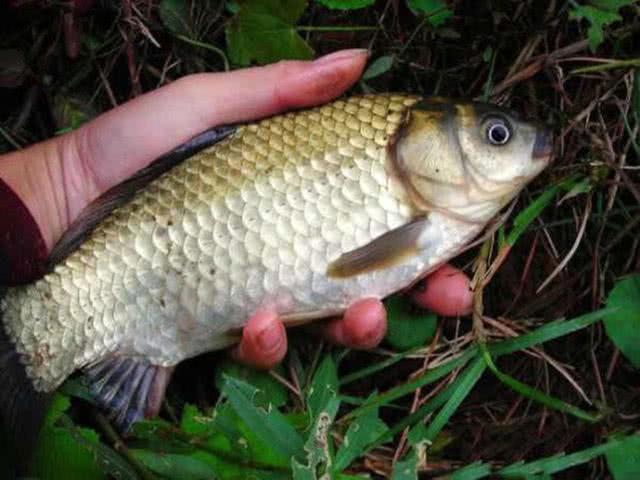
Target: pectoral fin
[[387, 250]]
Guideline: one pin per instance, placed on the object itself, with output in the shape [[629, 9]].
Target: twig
[[573, 250], [284, 382], [478, 288], [121, 447], [128, 37], [209, 47]]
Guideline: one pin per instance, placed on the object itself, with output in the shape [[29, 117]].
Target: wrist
[[36, 176]]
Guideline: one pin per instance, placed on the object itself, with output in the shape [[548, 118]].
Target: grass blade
[[536, 395], [558, 463], [464, 385], [472, 471], [529, 214], [376, 367], [550, 331], [428, 377], [429, 407]]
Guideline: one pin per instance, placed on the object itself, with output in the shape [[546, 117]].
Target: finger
[[445, 292], [363, 325], [264, 341]]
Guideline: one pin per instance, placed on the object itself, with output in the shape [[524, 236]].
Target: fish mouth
[[543, 145]]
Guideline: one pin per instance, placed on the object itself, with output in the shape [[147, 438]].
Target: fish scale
[[200, 249]]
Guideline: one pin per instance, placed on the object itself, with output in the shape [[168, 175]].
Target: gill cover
[[466, 160]]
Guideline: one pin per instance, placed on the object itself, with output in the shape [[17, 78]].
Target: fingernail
[[341, 55], [270, 337]]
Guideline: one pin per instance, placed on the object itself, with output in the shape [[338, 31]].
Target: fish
[[303, 213]]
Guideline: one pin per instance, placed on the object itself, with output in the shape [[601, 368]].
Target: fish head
[[468, 159]]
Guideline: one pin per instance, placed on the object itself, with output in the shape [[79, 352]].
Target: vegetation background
[[542, 382]]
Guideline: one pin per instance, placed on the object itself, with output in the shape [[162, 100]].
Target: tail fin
[[22, 411]]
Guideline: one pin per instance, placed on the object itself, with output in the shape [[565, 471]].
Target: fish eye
[[497, 131]]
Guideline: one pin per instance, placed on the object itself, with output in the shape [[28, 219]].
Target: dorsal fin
[[117, 196]]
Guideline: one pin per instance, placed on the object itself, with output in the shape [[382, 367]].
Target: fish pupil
[[498, 133]]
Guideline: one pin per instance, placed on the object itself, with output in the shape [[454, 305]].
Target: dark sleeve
[[23, 253]]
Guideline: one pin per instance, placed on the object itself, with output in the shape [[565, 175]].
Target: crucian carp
[[306, 212]]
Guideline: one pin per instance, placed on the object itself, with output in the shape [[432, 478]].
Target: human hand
[[363, 325], [58, 178]]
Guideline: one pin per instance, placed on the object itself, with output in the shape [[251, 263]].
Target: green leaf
[[407, 468], [59, 404], [59, 454], [436, 11], [406, 329], [324, 387], [241, 441], [108, 460], [70, 112], [264, 31], [378, 67], [270, 391], [76, 387], [175, 16], [583, 186], [624, 459], [472, 471], [487, 55], [268, 425], [346, 4], [221, 440], [599, 14], [318, 446], [623, 325], [172, 465], [360, 433]]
